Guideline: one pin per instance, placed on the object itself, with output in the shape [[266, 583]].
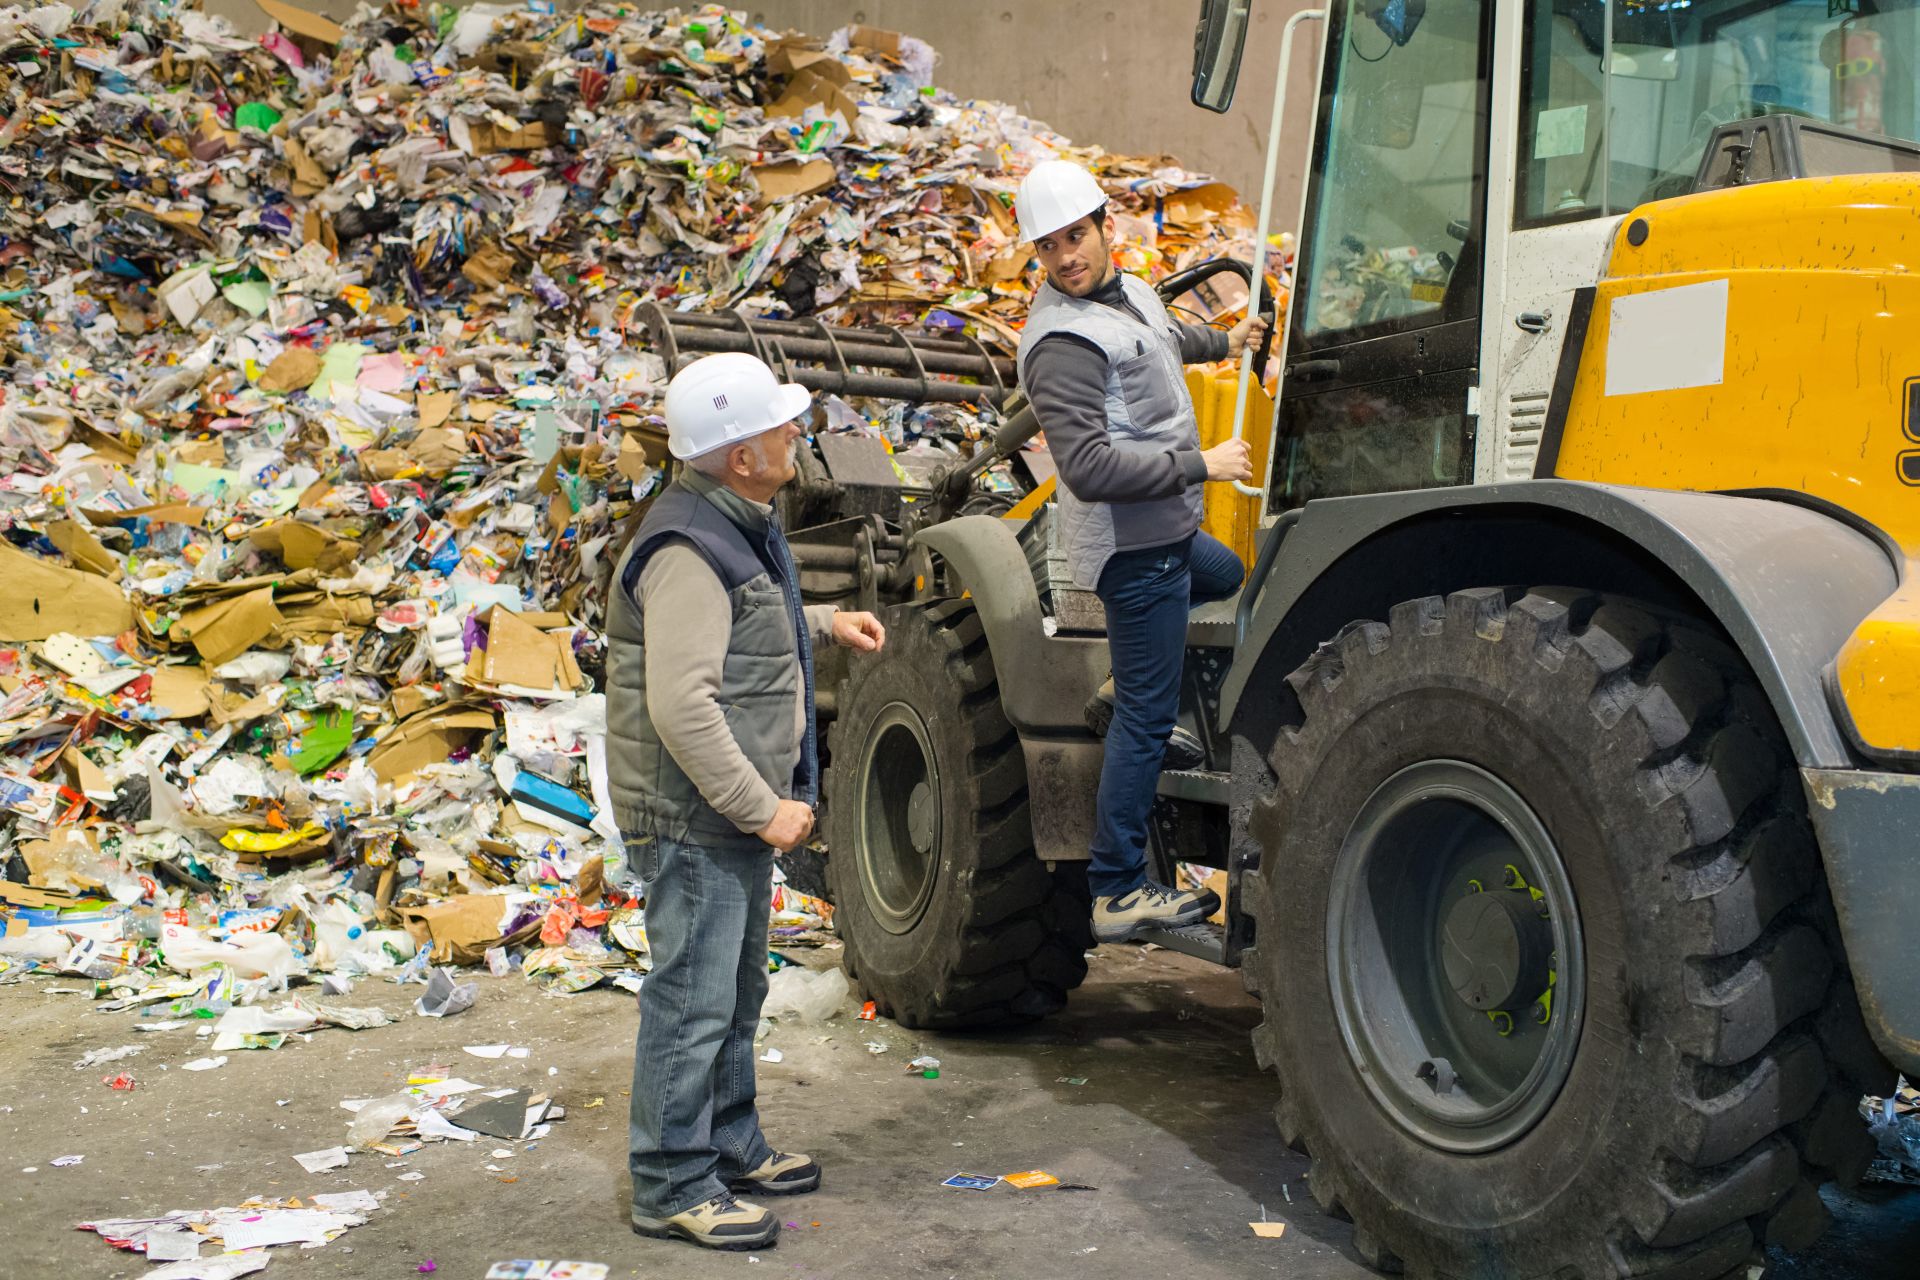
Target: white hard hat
[[1055, 194], [720, 400]]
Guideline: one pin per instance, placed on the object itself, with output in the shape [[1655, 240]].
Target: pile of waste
[[324, 413]]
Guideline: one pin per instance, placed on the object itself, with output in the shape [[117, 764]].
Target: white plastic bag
[[254, 955], [805, 994]]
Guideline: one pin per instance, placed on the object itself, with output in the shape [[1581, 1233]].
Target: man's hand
[[792, 824], [860, 631], [1229, 460], [1246, 334]]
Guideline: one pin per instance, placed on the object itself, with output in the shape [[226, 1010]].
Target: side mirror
[[1218, 42]]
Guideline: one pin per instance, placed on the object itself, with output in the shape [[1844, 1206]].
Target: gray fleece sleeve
[[688, 624], [1066, 382], [1202, 344], [820, 623]]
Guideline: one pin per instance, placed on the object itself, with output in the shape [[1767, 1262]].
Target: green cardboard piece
[[255, 115]]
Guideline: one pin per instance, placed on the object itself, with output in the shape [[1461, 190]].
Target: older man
[[713, 766]]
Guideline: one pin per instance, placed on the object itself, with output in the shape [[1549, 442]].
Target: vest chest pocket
[[1145, 387]]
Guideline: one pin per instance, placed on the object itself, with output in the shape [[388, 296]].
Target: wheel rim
[[1459, 1005], [899, 806]]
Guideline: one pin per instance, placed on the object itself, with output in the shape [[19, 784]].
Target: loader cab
[[1469, 166]]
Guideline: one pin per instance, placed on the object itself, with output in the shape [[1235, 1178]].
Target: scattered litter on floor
[[1894, 1123], [321, 1161], [1072, 1080], [773, 1055], [96, 1057], [122, 1081], [65, 1162], [445, 996], [204, 1064], [876, 1046], [1269, 1230], [805, 995], [971, 1182], [523, 1269], [255, 1225], [925, 1065], [1030, 1180]]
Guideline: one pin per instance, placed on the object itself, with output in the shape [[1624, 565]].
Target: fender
[[1045, 681], [1786, 583]]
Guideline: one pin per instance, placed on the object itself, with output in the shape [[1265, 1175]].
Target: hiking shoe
[[1184, 750], [719, 1223], [781, 1174], [1151, 906]]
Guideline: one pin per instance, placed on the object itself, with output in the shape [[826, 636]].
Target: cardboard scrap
[[306, 546], [489, 266], [808, 88], [1269, 1230], [301, 24], [435, 407], [428, 738], [293, 369], [438, 450], [225, 629], [44, 598], [520, 655], [180, 692], [461, 929], [791, 178], [156, 513]]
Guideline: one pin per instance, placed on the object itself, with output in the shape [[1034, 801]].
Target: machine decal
[[1668, 339]]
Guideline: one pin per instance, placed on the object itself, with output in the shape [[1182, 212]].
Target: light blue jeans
[[693, 1126]]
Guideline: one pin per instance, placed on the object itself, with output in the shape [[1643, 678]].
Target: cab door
[[1382, 355]]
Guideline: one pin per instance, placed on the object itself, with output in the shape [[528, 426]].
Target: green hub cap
[[1454, 956], [899, 807]]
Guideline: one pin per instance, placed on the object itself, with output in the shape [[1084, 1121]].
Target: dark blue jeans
[[693, 1125], [1148, 594]]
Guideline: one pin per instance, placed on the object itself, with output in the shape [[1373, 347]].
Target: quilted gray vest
[[652, 795], [1148, 411]]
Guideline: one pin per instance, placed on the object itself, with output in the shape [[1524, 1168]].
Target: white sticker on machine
[[1668, 339]]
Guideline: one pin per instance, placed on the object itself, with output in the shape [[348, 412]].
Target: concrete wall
[[1112, 72]]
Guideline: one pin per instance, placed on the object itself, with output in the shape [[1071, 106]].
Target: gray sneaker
[[1184, 750], [719, 1223], [1151, 906]]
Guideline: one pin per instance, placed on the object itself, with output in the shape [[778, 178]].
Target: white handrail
[[1260, 236]]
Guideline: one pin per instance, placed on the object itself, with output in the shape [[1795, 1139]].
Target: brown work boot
[[1151, 906], [719, 1223], [780, 1174]]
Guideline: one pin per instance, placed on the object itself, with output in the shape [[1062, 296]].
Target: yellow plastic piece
[[1877, 672], [244, 840], [1822, 337], [1230, 515]]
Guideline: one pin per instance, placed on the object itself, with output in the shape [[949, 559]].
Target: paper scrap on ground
[[1030, 1179], [1269, 1230], [204, 1064], [971, 1182], [321, 1161]]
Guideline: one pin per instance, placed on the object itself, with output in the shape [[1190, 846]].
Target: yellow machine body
[[1814, 286]]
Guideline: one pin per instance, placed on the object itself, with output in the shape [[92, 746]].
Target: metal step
[[1197, 784], [1203, 940]]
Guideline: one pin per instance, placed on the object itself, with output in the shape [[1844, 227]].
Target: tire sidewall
[[911, 670], [1534, 731]]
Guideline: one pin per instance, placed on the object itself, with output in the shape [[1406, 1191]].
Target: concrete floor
[[1171, 1126]]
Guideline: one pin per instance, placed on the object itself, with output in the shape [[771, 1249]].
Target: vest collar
[[753, 517]]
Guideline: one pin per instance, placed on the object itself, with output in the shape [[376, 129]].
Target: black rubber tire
[[1703, 1103], [1002, 939]]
